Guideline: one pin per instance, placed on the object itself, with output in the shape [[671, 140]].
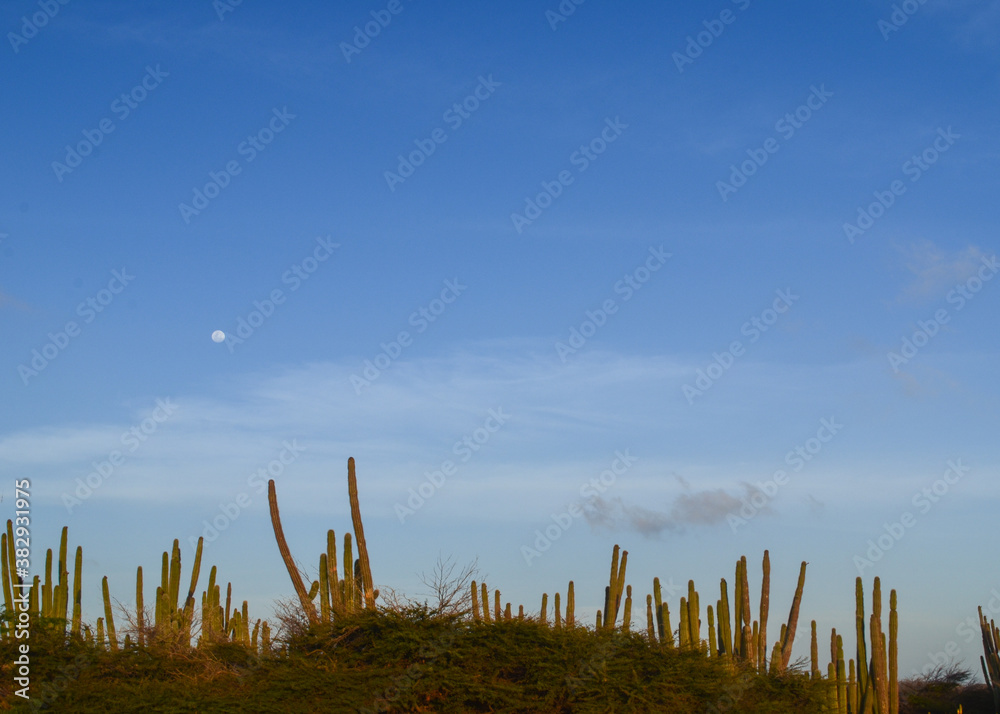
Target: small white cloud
[[934, 271]]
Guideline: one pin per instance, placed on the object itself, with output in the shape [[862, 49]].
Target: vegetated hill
[[412, 662]]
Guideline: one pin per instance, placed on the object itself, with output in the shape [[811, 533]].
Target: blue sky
[[699, 257]]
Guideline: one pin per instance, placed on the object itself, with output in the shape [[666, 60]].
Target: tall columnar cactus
[[738, 650], [570, 605], [486, 603], [616, 587], [684, 630], [140, 613], [77, 592], [893, 654], [842, 684], [337, 604], [990, 661], [878, 661], [359, 534], [793, 620], [109, 616], [725, 627], [349, 580], [324, 589], [765, 604], [814, 653], [713, 649], [864, 701], [286, 555], [693, 616], [746, 643]]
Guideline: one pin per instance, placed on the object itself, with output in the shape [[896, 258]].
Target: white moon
[[218, 336]]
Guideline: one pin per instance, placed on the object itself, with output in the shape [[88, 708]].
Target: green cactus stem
[[684, 633], [725, 631], [77, 591], [359, 534], [658, 599], [713, 649], [139, 609], [842, 684], [793, 620], [814, 653], [893, 654], [862, 650], [765, 604], [112, 638]]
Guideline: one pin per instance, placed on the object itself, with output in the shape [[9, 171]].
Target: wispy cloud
[[12, 303], [565, 422], [691, 508], [934, 270]]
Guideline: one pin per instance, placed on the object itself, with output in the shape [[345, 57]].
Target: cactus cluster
[[48, 599], [339, 596], [173, 618], [733, 635], [864, 684], [990, 661]]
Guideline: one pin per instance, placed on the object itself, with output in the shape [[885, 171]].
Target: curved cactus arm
[[793, 620], [286, 555]]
